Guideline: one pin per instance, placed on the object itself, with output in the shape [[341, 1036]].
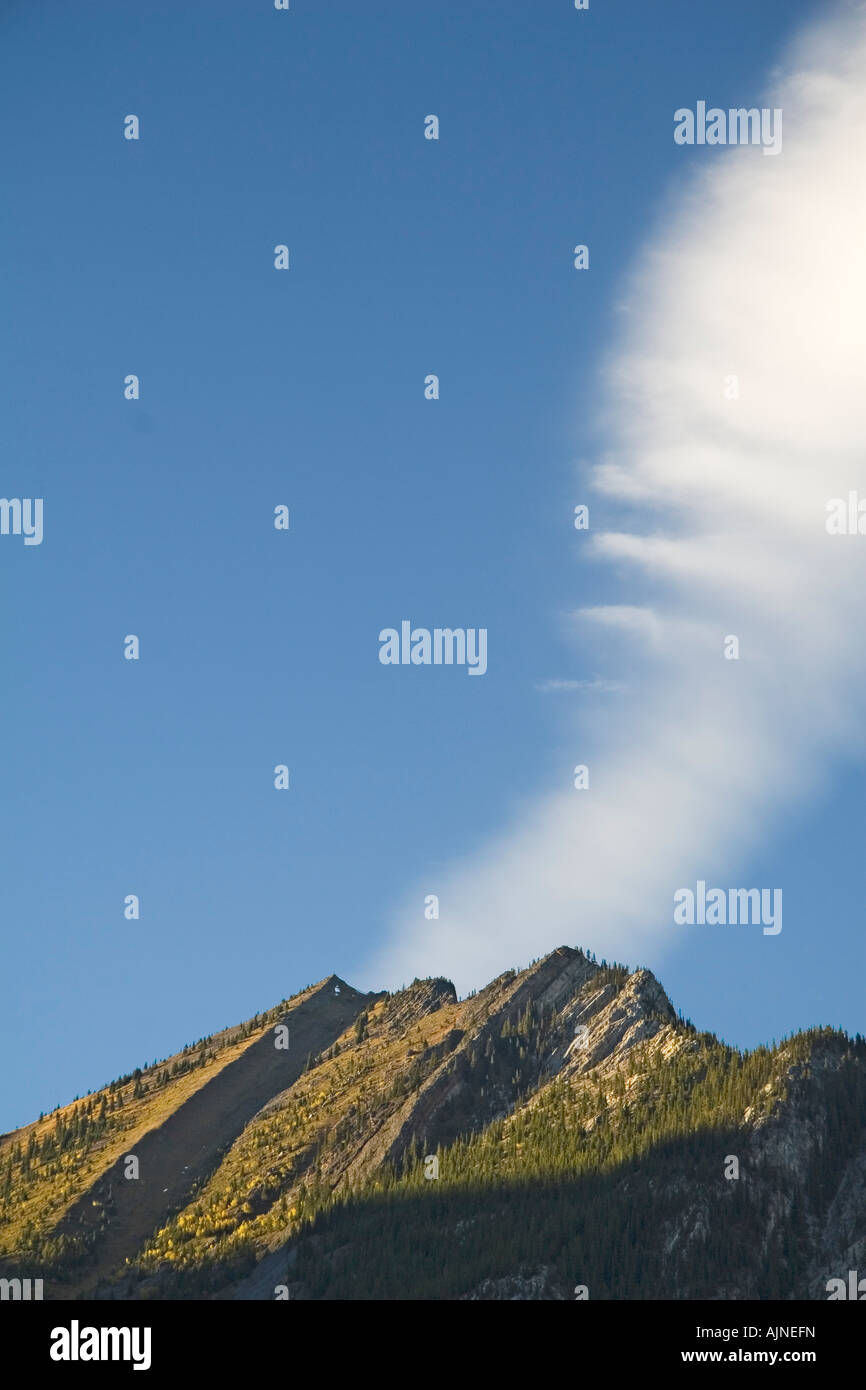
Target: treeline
[[620, 1188]]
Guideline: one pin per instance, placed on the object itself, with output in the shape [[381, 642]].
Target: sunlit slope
[[561, 1129], [67, 1205]]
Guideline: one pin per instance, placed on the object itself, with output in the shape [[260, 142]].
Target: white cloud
[[757, 270], [596, 686]]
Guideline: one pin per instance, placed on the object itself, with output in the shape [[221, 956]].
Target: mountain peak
[[564, 1097]]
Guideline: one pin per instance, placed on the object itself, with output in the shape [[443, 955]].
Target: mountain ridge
[[569, 1094]]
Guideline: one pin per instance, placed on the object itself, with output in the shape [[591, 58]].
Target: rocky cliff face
[[560, 1134]]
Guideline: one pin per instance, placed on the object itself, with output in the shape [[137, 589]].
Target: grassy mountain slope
[[66, 1207], [585, 1136]]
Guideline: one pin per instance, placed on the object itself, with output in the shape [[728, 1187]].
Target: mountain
[[561, 1133]]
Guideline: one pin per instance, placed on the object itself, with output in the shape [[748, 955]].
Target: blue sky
[[259, 387]]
